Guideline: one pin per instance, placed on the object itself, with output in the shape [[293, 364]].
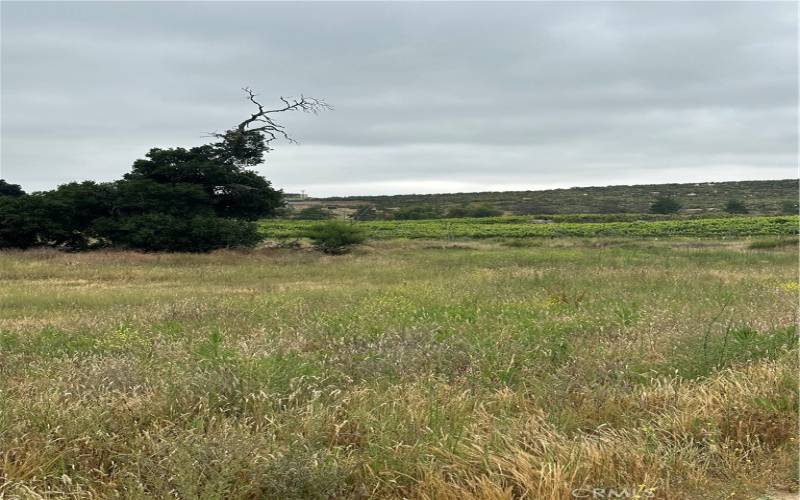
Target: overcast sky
[[429, 97]]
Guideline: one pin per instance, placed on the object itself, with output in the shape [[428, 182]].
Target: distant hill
[[760, 197]]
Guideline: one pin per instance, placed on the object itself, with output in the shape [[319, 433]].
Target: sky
[[428, 97]]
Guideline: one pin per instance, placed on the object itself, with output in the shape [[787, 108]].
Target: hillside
[[760, 197]]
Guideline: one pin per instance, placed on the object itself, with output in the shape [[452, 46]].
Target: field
[[555, 226], [760, 197], [430, 369]]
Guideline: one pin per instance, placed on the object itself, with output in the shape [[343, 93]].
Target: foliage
[[22, 219], [522, 227], [736, 207], [790, 207], [12, 190], [153, 231], [418, 213], [313, 213], [764, 197], [177, 199], [368, 212], [214, 177], [479, 210], [335, 236], [665, 205]]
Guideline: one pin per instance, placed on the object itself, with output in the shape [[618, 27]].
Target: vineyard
[[525, 227]]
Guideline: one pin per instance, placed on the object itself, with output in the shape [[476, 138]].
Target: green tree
[[665, 205], [736, 207], [13, 190], [175, 199], [22, 220]]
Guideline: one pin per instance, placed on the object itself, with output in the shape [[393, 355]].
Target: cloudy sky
[[429, 97]]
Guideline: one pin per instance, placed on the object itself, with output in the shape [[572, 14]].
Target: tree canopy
[[177, 199]]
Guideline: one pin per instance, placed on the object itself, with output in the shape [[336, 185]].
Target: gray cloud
[[429, 96]]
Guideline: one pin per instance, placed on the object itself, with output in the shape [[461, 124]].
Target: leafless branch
[[261, 121]]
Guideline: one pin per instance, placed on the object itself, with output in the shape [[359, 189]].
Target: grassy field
[[557, 226], [407, 369]]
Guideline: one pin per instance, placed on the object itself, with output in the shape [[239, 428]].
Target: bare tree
[[252, 137]]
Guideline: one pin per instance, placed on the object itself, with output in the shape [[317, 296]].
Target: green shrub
[[171, 233], [335, 236], [665, 205], [313, 213], [420, 212], [790, 207], [481, 210], [736, 207]]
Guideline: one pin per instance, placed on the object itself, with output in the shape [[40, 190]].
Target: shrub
[[481, 210], [368, 212], [666, 205], [172, 233], [335, 236], [418, 213], [313, 213], [790, 207], [735, 207]]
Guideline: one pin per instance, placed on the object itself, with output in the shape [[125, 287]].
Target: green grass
[[406, 369], [522, 227]]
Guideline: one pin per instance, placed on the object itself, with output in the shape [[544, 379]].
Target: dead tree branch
[[262, 122]]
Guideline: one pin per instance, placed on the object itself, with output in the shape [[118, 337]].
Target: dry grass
[[404, 370]]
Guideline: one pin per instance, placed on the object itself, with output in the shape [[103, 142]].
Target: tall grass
[[402, 370]]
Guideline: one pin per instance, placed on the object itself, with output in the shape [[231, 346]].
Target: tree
[[175, 199], [21, 221], [665, 205], [736, 207], [12, 190]]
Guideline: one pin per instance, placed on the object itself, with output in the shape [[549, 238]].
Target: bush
[[313, 213], [368, 212], [172, 233], [481, 210], [735, 207], [335, 236], [418, 213], [666, 205], [790, 207]]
